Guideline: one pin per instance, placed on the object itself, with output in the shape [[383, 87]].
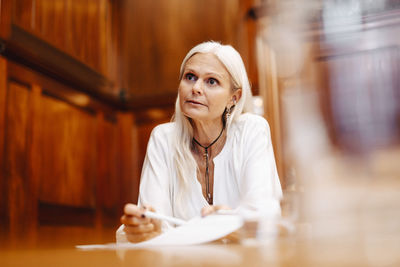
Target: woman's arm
[[153, 192], [259, 186]]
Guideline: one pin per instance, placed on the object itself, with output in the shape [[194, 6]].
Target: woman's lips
[[194, 102]]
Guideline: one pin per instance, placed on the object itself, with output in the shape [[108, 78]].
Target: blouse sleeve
[[154, 182], [260, 186]]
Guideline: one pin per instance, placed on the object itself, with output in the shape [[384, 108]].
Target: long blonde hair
[[186, 166]]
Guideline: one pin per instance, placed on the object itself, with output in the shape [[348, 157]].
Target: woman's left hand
[[232, 237], [212, 209]]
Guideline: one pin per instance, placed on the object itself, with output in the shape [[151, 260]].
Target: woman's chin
[[194, 114], [194, 117]]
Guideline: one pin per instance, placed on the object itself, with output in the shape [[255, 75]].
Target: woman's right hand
[[138, 227]]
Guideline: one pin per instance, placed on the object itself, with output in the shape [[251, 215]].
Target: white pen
[[153, 215]]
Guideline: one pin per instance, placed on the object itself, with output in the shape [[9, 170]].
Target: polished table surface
[[287, 251]]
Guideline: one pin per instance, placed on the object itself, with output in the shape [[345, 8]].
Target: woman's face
[[205, 89]]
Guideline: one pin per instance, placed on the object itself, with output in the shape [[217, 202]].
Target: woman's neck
[[206, 132]]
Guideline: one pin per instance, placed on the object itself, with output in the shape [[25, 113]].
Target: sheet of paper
[[196, 231]]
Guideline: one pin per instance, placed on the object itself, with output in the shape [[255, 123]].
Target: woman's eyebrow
[[218, 75], [189, 70], [214, 74]]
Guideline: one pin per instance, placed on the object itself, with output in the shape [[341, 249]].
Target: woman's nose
[[197, 88]]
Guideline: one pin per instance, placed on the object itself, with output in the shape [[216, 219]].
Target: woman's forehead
[[206, 62]]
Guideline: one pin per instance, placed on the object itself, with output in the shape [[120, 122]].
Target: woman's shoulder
[[251, 122], [161, 136], [163, 131], [164, 128]]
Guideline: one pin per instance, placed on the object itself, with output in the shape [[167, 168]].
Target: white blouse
[[245, 175]]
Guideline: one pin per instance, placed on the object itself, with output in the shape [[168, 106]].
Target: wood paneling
[[139, 45], [156, 35], [67, 159], [129, 172], [23, 13], [77, 27], [16, 156], [69, 154], [109, 184], [28, 49], [3, 184], [35, 160], [59, 90], [50, 21], [5, 18]]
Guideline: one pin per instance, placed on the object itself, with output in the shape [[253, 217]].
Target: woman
[[213, 155]]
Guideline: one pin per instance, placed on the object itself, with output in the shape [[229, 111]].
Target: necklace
[[207, 177]]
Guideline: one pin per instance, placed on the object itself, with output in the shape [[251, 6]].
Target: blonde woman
[[214, 154]]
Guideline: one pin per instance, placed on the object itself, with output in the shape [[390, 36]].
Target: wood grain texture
[[112, 38], [69, 155], [129, 171], [108, 184], [23, 13], [16, 151], [46, 143], [139, 45], [34, 162], [156, 35], [59, 90], [77, 27], [5, 18], [3, 182], [50, 21]]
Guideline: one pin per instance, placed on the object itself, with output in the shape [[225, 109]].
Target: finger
[[221, 207], [148, 207], [135, 238], [233, 237], [132, 209], [157, 223], [139, 229], [207, 210], [132, 220]]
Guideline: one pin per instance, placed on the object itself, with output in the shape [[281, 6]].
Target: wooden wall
[[63, 163], [68, 150], [78, 28], [156, 35]]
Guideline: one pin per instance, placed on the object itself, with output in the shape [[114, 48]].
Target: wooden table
[[289, 251]]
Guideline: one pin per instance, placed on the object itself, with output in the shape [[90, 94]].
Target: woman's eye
[[212, 81], [190, 77]]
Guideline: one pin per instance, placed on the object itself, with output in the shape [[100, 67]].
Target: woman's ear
[[236, 96]]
